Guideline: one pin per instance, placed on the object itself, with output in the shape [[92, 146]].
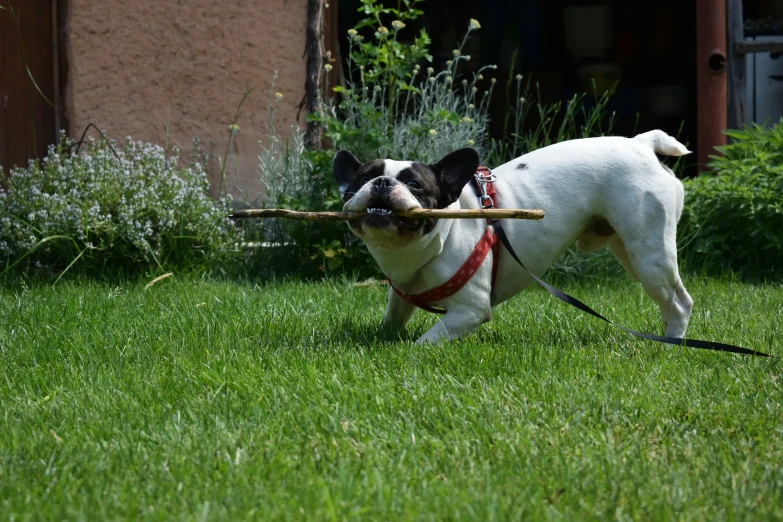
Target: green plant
[[387, 62], [128, 208], [299, 179], [390, 107], [734, 218]]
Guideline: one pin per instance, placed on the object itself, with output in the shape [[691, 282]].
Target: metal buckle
[[482, 179], [485, 178]]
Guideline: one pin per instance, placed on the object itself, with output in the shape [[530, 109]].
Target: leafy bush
[[133, 210], [735, 217], [394, 106]]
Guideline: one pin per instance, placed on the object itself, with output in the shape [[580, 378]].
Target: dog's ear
[[453, 172], [345, 165]]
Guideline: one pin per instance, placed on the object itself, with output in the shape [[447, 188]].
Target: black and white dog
[[595, 192]]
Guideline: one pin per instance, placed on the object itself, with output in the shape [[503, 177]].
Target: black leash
[[692, 343]]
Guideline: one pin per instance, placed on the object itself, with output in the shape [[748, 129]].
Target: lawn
[[213, 400]]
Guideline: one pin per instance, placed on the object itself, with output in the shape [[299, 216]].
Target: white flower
[[433, 132], [397, 25], [519, 77], [430, 70], [474, 25], [455, 52], [352, 33], [278, 96], [328, 67], [471, 143], [466, 119], [383, 31]]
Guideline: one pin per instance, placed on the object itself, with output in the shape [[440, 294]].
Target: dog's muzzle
[[381, 198]]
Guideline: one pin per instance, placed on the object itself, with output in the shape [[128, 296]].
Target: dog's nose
[[383, 181]]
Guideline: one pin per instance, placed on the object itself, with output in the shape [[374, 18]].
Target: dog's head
[[383, 186]]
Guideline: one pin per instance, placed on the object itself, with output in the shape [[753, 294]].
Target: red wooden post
[[710, 76]]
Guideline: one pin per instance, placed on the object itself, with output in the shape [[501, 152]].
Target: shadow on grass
[[365, 333]]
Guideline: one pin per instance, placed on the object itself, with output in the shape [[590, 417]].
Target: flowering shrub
[[135, 209]]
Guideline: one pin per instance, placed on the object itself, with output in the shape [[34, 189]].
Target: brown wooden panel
[[27, 121]]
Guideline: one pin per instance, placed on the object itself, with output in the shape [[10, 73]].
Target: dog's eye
[[414, 185], [364, 178]]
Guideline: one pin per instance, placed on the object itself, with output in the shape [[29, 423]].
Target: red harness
[[488, 241]]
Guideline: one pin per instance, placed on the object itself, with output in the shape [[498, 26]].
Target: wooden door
[[28, 123]]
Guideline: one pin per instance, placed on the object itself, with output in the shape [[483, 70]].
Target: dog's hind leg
[[656, 268], [645, 220]]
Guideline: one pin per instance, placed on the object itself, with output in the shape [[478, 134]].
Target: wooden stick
[[440, 213]]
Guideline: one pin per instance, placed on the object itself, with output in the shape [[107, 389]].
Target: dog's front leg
[[398, 312], [457, 322]]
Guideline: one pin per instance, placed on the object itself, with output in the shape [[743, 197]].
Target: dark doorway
[[649, 46], [28, 123]]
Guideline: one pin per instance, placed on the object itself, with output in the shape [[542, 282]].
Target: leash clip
[[484, 176]]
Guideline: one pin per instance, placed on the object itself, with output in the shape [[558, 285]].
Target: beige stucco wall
[[133, 64]]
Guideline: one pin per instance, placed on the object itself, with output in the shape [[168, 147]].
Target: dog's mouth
[[381, 216]]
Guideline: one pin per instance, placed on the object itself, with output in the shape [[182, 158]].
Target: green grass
[[214, 400]]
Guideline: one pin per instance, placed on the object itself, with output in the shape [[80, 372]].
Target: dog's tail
[[662, 143]]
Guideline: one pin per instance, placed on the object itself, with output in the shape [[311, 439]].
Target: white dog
[[597, 192]]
